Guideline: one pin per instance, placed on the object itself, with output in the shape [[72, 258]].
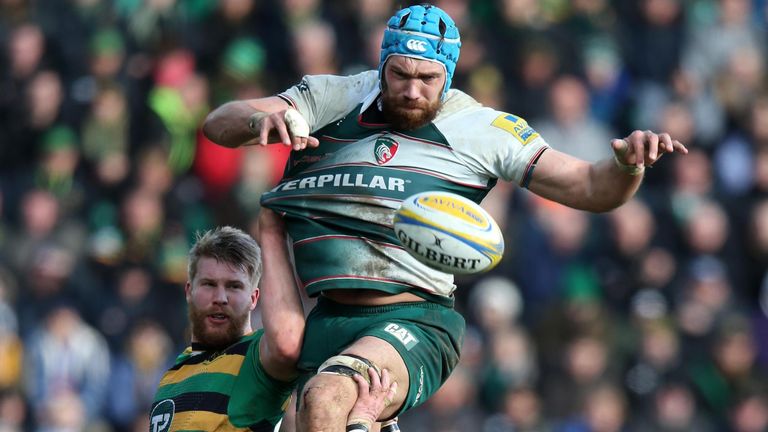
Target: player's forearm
[[610, 186], [282, 311], [595, 187], [227, 125]]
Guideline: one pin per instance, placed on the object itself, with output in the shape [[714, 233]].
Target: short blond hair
[[230, 245]]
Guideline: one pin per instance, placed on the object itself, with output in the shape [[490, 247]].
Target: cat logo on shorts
[[402, 334], [385, 150], [162, 415]]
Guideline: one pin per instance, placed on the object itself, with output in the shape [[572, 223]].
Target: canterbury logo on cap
[[416, 45]]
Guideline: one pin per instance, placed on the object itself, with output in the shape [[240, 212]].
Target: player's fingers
[[391, 393], [620, 146], [296, 142], [362, 384], [282, 131], [665, 143], [385, 378], [375, 381], [312, 142], [636, 144], [266, 126], [652, 141], [679, 147]]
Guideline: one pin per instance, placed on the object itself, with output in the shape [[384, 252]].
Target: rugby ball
[[449, 233]]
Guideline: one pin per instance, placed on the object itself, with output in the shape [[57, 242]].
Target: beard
[[218, 337], [406, 114]]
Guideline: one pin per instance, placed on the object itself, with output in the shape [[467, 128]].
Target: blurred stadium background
[[648, 318]]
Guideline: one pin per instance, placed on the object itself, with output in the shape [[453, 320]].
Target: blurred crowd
[[652, 317]]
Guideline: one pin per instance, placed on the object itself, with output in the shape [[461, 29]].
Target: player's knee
[[328, 393]]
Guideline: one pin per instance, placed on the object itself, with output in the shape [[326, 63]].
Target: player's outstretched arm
[[603, 185], [258, 122], [282, 312], [372, 399]]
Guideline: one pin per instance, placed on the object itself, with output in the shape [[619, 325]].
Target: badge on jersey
[[303, 86], [161, 416], [516, 126], [384, 149]]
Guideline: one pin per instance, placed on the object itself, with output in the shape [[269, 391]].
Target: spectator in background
[[57, 171], [13, 411], [11, 346], [749, 413], [142, 220], [706, 302], [510, 364], [105, 144], [586, 365], [129, 302], [658, 360], [736, 159], [555, 238], [652, 38], [732, 369], [314, 43], [67, 371], [179, 102], [453, 408], [674, 409], [136, 370], [539, 66], [521, 412], [25, 50], [629, 242], [756, 234], [604, 409], [570, 125], [740, 81]]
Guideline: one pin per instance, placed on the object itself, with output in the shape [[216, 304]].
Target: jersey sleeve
[[257, 398], [495, 144], [323, 99]]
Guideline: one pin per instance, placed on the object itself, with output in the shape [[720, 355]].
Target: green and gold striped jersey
[[226, 390]]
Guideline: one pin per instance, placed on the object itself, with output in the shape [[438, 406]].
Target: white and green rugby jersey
[[339, 199]]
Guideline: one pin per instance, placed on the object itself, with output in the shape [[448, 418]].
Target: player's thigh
[[384, 356]]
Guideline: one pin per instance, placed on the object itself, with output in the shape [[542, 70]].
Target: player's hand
[[644, 148], [372, 398], [286, 126]]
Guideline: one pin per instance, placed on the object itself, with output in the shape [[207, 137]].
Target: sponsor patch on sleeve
[[516, 126]]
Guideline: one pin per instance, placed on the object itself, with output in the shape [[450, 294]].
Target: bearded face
[[220, 300], [217, 328], [404, 114], [411, 91]]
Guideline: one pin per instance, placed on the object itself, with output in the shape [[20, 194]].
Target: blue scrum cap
[[423, 32]]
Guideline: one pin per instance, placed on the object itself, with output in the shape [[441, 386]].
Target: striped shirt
[[226, 390], [339, 199]]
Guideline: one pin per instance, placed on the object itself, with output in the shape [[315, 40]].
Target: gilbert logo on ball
[[449, 233]]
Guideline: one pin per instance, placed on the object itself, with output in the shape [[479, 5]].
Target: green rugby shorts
[[427, 335]]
